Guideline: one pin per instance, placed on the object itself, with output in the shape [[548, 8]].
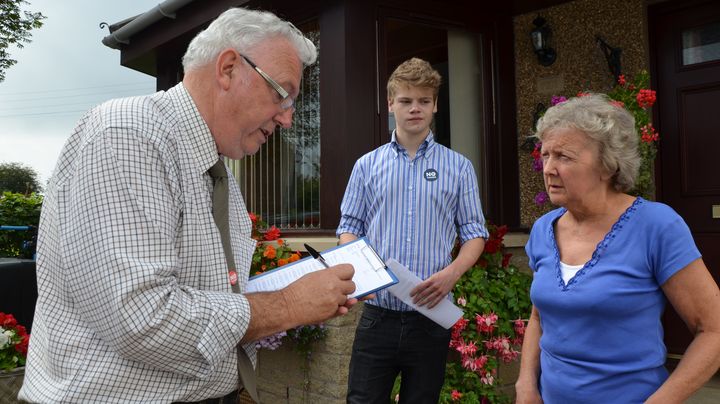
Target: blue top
[[412, 210], [602, 338]]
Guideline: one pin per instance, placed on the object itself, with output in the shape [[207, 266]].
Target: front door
[[685, 50]]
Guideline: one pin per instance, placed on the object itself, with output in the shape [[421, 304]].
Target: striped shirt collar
[[201, 142], [425, 150]]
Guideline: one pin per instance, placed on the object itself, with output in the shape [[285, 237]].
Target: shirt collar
[[195, 132], [425, 149]]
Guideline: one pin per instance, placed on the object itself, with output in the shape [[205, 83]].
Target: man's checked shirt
[[134, 301]]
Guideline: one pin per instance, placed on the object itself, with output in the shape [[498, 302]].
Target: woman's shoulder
[[658, 212]]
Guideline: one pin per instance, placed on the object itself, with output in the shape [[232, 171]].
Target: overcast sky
[[62, 73]]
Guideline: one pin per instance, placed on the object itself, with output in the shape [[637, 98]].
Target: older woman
[[605, 262]]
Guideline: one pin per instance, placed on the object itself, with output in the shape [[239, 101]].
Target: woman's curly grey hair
[[609, 125], [241, 29]]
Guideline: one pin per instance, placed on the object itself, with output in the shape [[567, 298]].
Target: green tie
[[218, 172]]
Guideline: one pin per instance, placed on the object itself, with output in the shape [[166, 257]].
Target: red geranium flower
[[272, 234], [646, 98]]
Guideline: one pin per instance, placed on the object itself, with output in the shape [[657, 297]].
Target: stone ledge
[[323, 243]]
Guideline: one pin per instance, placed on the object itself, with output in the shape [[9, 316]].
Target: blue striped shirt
[[413, 210]]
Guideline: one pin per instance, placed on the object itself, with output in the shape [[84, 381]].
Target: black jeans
[[389, 342]]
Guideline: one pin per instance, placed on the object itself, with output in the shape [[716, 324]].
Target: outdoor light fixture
[[540, 36]]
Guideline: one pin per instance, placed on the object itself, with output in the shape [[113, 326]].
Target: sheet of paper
[[370, 272], [444, 313]]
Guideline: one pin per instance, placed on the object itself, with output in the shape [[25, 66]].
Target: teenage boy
[[412, 198]]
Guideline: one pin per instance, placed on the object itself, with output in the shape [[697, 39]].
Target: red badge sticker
[[233, 277]]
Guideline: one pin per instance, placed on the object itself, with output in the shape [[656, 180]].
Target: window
[[281, 182], [701, 44]]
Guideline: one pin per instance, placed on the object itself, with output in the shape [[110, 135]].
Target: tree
[[15, 30], [18, 178]]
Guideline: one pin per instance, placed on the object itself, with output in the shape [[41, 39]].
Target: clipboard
[[371, 273]]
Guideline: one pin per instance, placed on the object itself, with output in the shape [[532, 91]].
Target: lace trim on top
[[601, 247]]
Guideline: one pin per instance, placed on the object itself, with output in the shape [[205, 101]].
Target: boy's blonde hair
[[414, 72]]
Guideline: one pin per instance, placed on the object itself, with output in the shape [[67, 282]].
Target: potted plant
[[13, 352]]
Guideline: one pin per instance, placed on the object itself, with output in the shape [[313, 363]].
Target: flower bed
[[495, 296]]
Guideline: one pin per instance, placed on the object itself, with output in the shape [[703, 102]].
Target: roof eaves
[[122, 31]]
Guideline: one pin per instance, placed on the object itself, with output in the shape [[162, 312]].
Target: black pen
[[316, 255]]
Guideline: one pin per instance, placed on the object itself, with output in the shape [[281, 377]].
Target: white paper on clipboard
[[371, 274]]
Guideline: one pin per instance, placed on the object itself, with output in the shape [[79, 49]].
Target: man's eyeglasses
[[286, 102]]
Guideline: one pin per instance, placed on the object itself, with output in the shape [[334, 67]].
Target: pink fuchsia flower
[[486, 323], [498, 343], [555, 100], [481, 361], [648, 134], [519, 326], [488, 379], [618, 104], [508, 355], [474, 364], [461, 301], [621, 80], [456, 332], [456, 395], [460, 325], [541, 198], [397, 397], [468, 349]]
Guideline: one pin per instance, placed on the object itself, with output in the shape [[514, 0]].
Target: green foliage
[[19, 178], [15, 27], [18, 210]]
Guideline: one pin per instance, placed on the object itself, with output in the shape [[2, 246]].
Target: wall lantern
[[540, 36]]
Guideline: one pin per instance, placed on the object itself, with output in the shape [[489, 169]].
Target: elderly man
[[135, 262]]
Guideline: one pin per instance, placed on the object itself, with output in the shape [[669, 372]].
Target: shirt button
[[410, 212], [408, 239], [410, 187]]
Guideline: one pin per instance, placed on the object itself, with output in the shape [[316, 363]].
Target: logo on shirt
[[431, 174]]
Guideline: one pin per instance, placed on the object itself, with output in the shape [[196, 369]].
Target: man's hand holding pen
[[321, 295], [316, 255]]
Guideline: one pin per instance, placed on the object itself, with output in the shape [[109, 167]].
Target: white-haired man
[[135, 300]]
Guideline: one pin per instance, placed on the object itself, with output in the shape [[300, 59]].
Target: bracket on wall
[[612, 56], [528, 144]]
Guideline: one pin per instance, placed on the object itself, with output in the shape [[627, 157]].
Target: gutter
[[121, 36]]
